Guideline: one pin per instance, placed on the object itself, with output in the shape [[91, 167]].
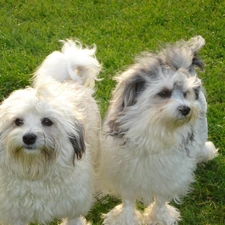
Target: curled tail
[[73, 63]]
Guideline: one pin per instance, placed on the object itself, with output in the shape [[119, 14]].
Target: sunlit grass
[[121, 30]]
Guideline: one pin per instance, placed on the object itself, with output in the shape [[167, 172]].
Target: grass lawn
[[29, 30]]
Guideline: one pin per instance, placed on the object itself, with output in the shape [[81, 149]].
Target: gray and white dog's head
[[160, 92]]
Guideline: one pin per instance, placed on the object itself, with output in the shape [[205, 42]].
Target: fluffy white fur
[[155, 134], [50, 140]]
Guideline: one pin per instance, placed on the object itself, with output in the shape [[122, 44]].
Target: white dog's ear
[[77, 141]]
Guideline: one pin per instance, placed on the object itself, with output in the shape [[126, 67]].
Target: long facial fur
[[149, 70], [64, 140]]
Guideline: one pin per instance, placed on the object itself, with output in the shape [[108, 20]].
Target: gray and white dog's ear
[[77, 141], [132, 88], [125, 95], [196, 43], [134, 81], [183, 54]]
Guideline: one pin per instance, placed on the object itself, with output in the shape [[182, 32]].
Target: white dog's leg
[[160, 213], [208, 152], [123, 214], [78, 221]]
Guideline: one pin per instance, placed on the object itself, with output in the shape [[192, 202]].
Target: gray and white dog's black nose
[[184, 110], [29, 138]]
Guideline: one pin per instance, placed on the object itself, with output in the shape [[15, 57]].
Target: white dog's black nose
[[29, 138], [184, 110]]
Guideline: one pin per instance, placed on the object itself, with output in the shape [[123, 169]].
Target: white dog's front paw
[[122, 216], [165, 215], [78, 221]]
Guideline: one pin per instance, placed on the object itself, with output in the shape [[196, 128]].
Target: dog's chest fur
[[167, 173], [56, 196]]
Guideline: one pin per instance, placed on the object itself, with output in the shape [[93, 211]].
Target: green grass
[[29, 30]]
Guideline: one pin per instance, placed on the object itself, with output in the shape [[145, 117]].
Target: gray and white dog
[[155, 134]]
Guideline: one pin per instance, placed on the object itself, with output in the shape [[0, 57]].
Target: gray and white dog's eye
[[46, 122], [196, 91], [166, 93]]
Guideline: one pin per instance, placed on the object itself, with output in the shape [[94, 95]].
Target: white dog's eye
[[165, 93], [46, 122], [19, 122]]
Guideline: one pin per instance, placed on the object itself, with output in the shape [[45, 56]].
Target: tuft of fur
[[155, 134], [50, 142]]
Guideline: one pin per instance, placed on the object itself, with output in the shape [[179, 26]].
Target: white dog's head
[[157, 95], [37, 131], [44, 126]]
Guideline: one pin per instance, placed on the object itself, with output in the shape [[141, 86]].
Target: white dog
[[156, 132], [49, 139]]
